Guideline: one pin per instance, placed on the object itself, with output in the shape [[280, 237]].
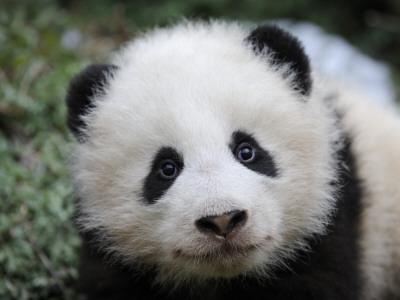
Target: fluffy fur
[[320, 200]]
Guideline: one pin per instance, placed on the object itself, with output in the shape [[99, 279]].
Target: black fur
[[286, 49], [262, 162], [155, 185], [82, 88], [329, 271]]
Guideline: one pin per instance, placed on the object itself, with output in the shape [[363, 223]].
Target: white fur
[[190, 87], [376, 143]]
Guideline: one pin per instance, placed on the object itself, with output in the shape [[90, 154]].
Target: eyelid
[[242, 144], [167, 161]]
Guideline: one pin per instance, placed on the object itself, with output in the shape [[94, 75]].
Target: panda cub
[[213, 163]]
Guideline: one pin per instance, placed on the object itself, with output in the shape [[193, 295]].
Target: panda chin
[[225, 260]]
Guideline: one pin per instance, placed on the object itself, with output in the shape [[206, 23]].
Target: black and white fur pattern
[[211, 166]]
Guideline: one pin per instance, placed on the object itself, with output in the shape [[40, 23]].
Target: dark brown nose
[[222, 225]]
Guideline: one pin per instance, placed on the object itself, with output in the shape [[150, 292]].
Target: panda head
[[203, 151]]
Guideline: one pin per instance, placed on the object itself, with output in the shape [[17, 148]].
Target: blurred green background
[[38, 243]]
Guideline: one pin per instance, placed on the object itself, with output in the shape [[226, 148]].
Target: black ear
[[80, 97], [285, 49]]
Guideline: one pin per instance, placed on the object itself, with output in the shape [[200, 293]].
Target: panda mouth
[[221, 254]]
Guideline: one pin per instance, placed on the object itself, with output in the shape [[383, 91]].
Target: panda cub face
[[199, 152]]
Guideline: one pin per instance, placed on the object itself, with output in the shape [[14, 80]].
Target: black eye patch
[[166, 167], [249, 153]]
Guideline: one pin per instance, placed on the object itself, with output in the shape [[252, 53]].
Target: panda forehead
[[193, 61], [191, 117], [197, 72], [192, 133], [194, 98], [192, 90]]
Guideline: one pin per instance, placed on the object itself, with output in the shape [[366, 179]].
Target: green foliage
[[38, 252]]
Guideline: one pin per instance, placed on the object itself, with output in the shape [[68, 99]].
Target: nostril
[[238, 217], [206, 224]]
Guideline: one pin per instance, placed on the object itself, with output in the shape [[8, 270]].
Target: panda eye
[[245, 153], [169, 170]]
